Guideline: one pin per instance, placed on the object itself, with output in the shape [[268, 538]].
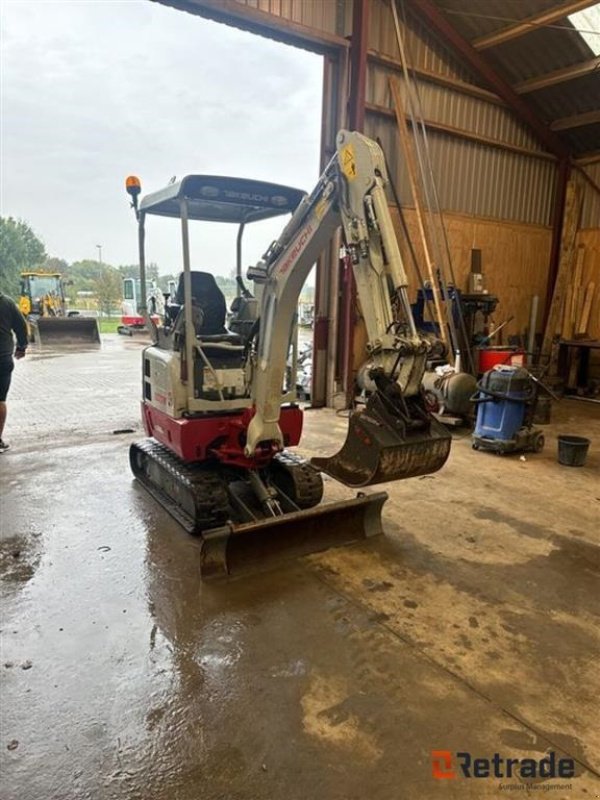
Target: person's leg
[[6, 368]]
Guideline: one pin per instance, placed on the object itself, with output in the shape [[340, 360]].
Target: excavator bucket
[[235, 549], [375, 452], [76, 330]]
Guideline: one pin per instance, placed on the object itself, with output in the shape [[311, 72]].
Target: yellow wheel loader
[[42, 303]]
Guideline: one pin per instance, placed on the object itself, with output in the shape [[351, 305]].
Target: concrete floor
[[471, 626]]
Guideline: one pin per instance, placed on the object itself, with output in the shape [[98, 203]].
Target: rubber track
[[204, 491], [307, 481]]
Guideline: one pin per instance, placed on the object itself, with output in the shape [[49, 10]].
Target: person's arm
[[19, 326]]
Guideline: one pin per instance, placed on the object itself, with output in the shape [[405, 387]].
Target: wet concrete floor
[[470, 626]]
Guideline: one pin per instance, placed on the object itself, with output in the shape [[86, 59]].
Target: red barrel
[[490, 356]]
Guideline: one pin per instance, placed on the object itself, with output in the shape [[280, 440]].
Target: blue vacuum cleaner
[[506, 397]]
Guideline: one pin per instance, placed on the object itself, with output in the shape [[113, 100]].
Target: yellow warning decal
[[347, 161], [321, 208]]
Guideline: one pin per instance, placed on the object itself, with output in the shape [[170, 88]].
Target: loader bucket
[[374, 453], [239, 548], [50, 331]]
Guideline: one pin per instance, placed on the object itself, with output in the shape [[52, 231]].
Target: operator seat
[[210, 300]]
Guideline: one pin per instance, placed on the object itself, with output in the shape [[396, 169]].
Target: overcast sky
[[95, 90]]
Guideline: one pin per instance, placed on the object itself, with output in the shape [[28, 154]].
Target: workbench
[[574, 362]]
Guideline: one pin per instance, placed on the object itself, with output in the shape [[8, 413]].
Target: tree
[[82, 276], [129, 270], [108, 289], [20, 250], [54, 264], [133, 271]]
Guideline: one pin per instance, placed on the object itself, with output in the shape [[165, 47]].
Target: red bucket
[[490, 356]]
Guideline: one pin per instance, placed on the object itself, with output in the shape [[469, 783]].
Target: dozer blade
[[375, 453], [50, 331], [238, 548]]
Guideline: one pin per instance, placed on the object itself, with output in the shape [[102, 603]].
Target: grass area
[[109, 324]]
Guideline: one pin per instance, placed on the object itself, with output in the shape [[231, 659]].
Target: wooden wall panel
[[590, 239], [514, 260]]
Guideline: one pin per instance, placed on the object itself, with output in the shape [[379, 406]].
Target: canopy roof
[[220, 199]]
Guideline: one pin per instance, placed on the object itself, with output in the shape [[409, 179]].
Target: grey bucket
[[572, 450]]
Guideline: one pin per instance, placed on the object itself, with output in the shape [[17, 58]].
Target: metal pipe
[[496, 330], [190, 333], [142, 307], [356, 121], [294, 343], [333, 315], [532, 323], [238, 258]]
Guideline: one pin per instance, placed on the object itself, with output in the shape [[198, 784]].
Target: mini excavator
[[218, 408]]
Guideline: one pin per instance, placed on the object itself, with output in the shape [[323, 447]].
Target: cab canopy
[[219, 199]]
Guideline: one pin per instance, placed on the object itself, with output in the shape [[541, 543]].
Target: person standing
[[11, 322]]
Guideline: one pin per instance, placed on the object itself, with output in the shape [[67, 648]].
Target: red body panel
[[136, 322], [221, 437]]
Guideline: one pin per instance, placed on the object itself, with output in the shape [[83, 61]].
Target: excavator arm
[[394, 437]]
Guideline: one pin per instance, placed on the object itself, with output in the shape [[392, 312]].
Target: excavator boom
[[394, 437]]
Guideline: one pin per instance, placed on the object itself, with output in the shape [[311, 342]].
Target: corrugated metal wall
[[590, 212], [472, 178], [475, 179]]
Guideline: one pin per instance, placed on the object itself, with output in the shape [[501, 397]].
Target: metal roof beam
[[525, 26], [263, 23], [429, 10], [559, 76], [436, 77], [470, 136], [576, 121], [590, 157]]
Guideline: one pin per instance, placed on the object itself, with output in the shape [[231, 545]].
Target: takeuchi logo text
[[447, 765], [296, 250]]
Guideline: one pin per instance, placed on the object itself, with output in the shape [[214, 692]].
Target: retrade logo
[[441, 765], [446, 765]]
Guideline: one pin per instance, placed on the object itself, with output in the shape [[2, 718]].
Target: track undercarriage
[[245, 517]]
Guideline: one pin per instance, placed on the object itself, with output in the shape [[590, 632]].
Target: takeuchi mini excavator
[[219, 403]]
